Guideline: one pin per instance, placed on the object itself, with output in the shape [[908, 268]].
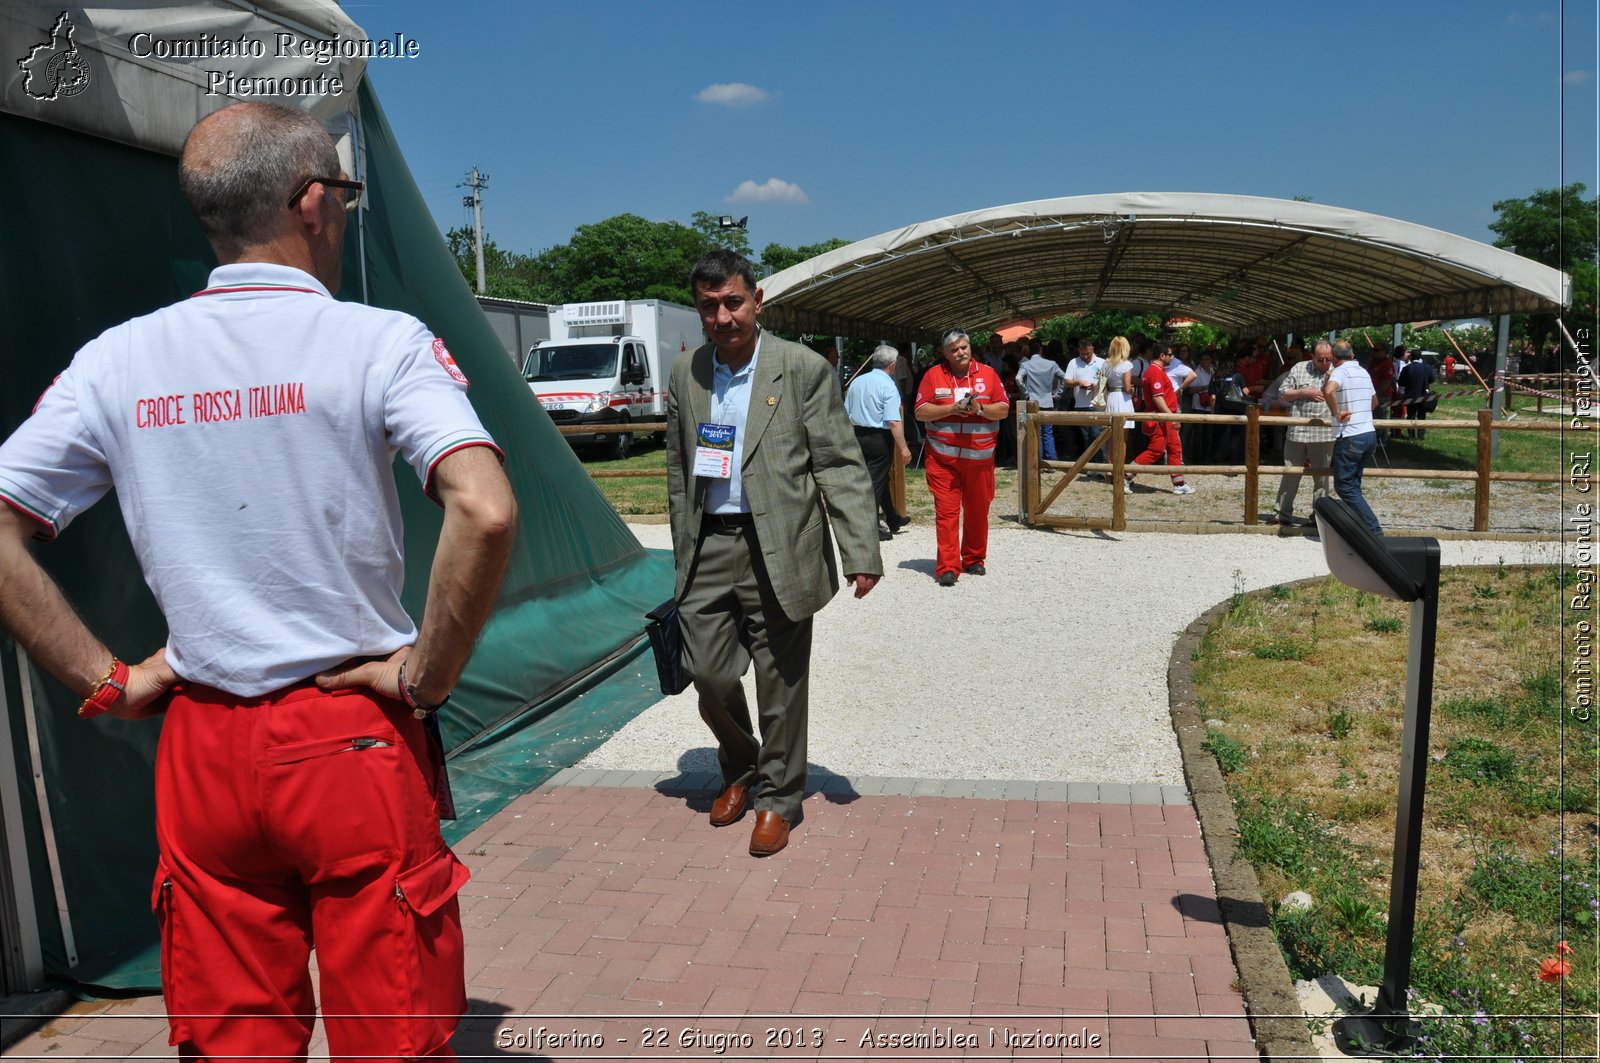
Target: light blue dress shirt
[[873, 400], [730, 404]]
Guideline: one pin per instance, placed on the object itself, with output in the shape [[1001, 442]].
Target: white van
[[608, 363]]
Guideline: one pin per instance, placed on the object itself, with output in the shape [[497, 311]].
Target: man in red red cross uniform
[[1160, 397], [958, 403]]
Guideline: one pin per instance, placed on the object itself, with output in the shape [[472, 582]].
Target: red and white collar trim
[[226, 289], [248, 277]]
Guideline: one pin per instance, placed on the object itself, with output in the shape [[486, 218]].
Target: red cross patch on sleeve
[[441, 354]]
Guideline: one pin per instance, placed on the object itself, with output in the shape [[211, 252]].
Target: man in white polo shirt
[[249, 432], [1351, 398], [1082, 373]]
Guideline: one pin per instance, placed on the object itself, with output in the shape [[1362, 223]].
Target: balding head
[[241, 164]]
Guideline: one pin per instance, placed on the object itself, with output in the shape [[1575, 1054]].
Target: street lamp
[[1406, 570], [726, 222]]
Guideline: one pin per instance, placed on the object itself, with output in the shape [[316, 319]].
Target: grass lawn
[[1457, 448], [1303, 691], [632, 495]]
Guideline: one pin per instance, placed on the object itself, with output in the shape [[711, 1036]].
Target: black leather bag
[[1231, 397], [666, 640]]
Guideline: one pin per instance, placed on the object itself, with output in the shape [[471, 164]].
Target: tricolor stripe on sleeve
[[47, 530]]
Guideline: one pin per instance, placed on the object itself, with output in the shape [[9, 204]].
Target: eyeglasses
[[351, 201]]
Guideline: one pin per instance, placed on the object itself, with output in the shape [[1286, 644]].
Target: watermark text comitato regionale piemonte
[[319, 51]]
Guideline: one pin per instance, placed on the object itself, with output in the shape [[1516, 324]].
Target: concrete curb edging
[[1269, 993], [26, 1012]]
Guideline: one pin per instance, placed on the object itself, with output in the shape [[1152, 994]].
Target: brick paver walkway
[[611, 920]]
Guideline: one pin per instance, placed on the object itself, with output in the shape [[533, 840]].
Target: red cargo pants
[[962, 492], [295, 820], [1164, 443]]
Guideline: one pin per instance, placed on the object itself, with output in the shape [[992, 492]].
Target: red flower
[[1553, 970], [1563, 949]]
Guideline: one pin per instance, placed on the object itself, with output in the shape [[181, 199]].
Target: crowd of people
[[961, 446]]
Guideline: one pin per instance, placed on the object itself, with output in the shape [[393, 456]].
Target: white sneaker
[[1183, 489], [1127, 487]]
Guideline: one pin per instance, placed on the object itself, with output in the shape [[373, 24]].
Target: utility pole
[[478, 182]]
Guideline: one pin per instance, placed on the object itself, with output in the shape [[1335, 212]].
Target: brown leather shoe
[[771, 833], [729, 805]]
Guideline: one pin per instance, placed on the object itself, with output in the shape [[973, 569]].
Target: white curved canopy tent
[[1243, 263]]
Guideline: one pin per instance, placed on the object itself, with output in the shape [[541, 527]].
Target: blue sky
[[850, 119]]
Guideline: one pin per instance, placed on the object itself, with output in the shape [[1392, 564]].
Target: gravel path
[[1050, 668]]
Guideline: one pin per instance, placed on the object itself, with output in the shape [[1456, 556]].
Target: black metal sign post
[[1406, 570]]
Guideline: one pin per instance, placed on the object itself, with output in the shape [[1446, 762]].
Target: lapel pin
[[772, 400]]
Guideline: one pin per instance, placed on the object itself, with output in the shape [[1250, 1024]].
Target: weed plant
[[1310, 749], [1231, 755], [1282, 649], [1340, 723]]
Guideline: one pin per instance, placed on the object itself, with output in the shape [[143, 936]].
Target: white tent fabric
[[1245, 263], [144, 74]]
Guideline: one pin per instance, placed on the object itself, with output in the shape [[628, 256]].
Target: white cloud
[[733, 94], [1578, 77], [774, 191]]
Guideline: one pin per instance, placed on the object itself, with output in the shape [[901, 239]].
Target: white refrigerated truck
[[608, 363]]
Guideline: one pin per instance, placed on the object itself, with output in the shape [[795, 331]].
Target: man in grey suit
[[760, 455]]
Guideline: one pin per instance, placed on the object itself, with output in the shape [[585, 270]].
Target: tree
[[1099, 326], [1555, 226], [1200, 336], [1585, 291], [623, 257], [776, 257], [509, 275]]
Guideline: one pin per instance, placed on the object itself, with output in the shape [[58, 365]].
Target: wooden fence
[[1033, 503]]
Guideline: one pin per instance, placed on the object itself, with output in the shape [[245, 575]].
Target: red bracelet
[[106, 693]]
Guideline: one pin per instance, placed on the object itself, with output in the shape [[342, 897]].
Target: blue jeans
[[1350, 454], [1047, 438]]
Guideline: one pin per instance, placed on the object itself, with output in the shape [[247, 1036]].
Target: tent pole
[[23, 963], [1497, 399], [52, 853], [359, 153]]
